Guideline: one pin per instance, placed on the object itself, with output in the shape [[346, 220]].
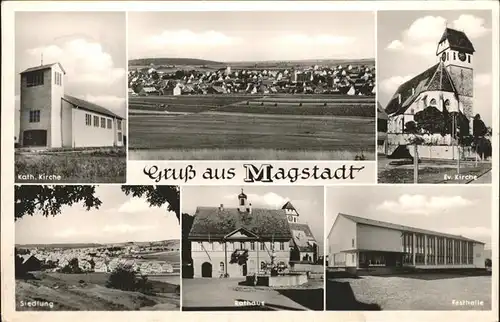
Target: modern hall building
[[359, 243], [52, 119]]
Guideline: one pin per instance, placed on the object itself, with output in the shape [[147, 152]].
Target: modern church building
[[219, 235], [359, 243], [50, 118], [448, 87]]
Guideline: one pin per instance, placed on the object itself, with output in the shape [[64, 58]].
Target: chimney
[[249, 208], [399, 98], [221, 207]]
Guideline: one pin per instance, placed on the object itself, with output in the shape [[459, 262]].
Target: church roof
[[42, 67], [435, 78], [458, 40], [381, 114], [383, 224], [215, 223], [90, 106], [306, 236]]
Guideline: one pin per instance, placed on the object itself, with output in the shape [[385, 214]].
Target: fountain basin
[[290, 279]]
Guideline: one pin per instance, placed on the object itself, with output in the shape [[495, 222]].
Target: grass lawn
[[82, 166], [434, 172], [237, 136], [411, 292]]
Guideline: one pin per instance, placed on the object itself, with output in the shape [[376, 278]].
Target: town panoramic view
[[97, 248], [216, 87]]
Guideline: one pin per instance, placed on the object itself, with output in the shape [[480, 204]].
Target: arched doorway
[[206, 270]]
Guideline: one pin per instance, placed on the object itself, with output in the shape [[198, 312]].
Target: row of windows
[[439, 250], [104, 122], [58, 78], [446, 57], [219, 246], [34, 79]]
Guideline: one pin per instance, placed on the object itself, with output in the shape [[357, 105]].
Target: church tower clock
[[456, 51]]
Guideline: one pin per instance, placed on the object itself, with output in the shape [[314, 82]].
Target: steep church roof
[[381, 114], [436, 78], [216, 223], [458, 40]]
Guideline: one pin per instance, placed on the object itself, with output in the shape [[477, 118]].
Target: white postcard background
[[135, 175]]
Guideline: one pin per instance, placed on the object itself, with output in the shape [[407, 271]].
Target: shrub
[[126, 279]]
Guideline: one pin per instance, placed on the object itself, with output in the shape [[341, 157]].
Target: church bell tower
[[456, 51]]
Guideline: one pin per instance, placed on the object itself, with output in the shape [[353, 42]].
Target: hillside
[[173, 242], [171, 61], [68, 294], [200, 62]]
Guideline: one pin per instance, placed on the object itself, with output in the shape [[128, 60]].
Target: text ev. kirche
[[265, 173]]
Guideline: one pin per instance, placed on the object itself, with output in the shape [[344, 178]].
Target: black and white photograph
[[409, 248], [97, 248], [435, 100], [252, 248], [265, 85], [70, 104]]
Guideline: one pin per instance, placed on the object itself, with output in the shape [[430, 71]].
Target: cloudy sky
[[89, 45], [407, 42], [308, 201], [458, 210], [119, 219], [251, 36]]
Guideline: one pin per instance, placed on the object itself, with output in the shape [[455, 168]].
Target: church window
[[468, 59], [88, 120], [34, 79], [35, 116]]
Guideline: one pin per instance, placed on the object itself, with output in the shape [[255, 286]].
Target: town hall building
[[50, 118], [446, 86], [268, 236]]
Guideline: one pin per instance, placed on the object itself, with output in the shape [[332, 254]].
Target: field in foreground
[[435, 172], [106, 165], [227, 136], [67, 294], [409, 292]]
